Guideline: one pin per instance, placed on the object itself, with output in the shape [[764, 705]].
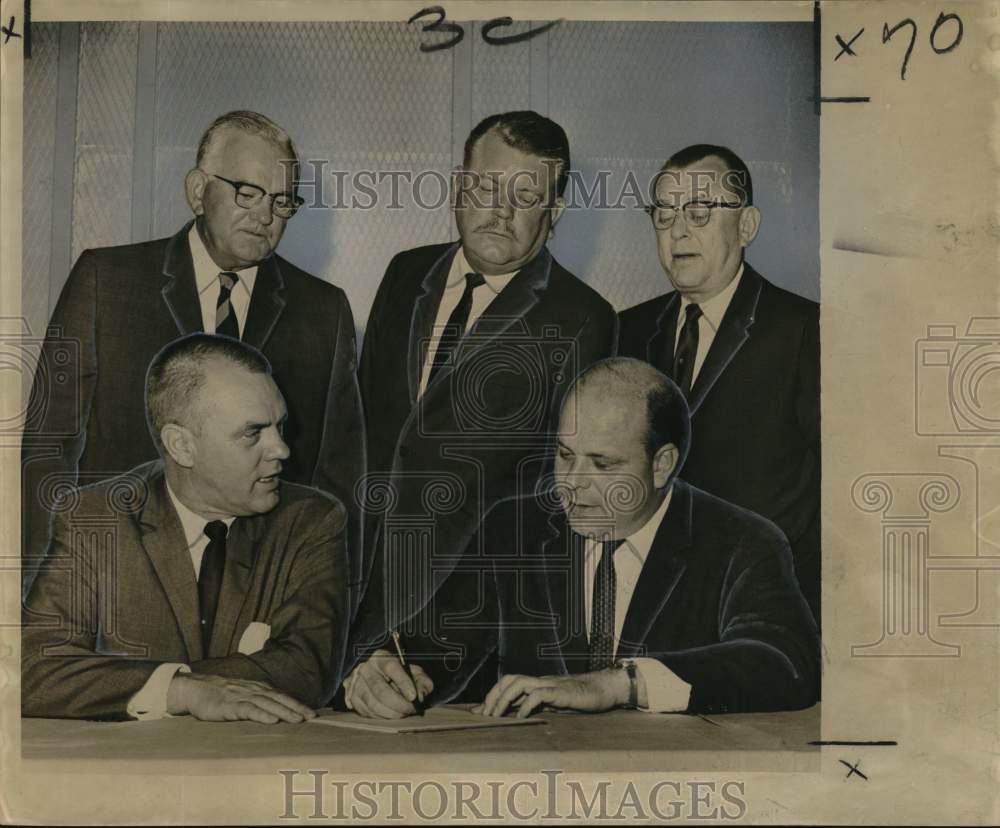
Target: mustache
[[498, 225]]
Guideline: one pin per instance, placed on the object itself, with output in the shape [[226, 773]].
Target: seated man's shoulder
[[124, 494], [307, 507], [580, 296], [782, 302], [730, 526]]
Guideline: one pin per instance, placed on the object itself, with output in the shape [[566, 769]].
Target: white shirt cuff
[[151, 701], [665, 692]]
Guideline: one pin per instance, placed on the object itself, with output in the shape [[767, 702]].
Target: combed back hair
[[737, 179], [176, 376], [528, 132], [252, 123], [667, 417]]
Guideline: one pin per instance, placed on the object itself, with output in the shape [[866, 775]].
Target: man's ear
[[749, 225], [664, 463], [556, 210], [178, 441], [194, 190]]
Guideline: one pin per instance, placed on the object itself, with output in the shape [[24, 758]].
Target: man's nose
[[263, 210], [679, 229], [278, 448]]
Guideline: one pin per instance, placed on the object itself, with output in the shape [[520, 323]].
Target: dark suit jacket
[[86, 420], [716, 602], [481, 431], [117, 596], [755, 437]]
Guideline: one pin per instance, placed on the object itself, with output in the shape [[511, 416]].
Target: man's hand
[[381, 689], [587, 692], [216, 699]]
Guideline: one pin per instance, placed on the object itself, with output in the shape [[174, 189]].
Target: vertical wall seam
[[144, 135], [64, 159]]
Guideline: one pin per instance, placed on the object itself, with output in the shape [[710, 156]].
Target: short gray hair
[[176, 376], [252, 123]]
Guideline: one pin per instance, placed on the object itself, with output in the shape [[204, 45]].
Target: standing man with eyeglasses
[[744, 352], [219, 274]]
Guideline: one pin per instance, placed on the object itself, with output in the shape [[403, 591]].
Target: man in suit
[[469, 348], [624, 587], [219, 274], [745, 352], [197, 583]]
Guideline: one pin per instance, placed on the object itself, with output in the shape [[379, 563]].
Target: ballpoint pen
[[418, 705]]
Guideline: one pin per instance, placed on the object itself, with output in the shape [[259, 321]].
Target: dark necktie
[[454, 329], [225, 316], [213, 562], [687, 350], [602, 609]]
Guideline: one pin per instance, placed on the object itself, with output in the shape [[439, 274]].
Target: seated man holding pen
[[624, 587]]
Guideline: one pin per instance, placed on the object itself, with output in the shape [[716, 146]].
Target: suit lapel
[[240, 556], [165, 544], [181, 293], [660, 573], [733, 332], [660, 348], [422, 321], [266, 303], [564, 554]]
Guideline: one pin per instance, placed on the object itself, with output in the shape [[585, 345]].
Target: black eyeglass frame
[[651, 210], [259, 193]]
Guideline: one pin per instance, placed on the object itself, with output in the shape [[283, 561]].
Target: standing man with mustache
[[468, 352], [744, 352], [219, 274]]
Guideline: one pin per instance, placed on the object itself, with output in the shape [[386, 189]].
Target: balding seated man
[[623, 587], [198, 583]]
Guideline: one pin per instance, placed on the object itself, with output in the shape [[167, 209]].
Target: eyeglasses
[[250, 195], [696, 213]]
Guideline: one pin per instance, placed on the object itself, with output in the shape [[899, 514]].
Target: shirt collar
[[193, 523], [460, 266], [715, 308], [206, 271], [641, 541]]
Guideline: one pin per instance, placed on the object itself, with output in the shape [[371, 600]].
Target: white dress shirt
[[151, 701], [454, 287], [712, 311], [206, 279], [665, 692]]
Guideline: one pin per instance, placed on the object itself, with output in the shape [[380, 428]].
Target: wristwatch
[[628, 665]]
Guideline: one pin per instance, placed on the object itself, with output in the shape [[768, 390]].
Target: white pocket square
[[254, 637]]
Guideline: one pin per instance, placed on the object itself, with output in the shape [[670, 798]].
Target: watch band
[[628, 665]]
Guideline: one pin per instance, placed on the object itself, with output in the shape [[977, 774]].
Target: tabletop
[[624, 740]]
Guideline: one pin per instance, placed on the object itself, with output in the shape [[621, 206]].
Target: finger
[[290, 702], [396, 673], [276, 708], [478, 710], [496, 691], [523, 684], [536, 698], [390, 696], [369, 706], [246, 710], [425, 684]]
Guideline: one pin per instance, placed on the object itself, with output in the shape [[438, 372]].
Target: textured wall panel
[[629, 94], [501, 75], [40, 76], [102, 190]]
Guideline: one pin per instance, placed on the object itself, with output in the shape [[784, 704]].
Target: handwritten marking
[[845, 48], [8, 31], [853, 769], [863, 744], [503, 40]]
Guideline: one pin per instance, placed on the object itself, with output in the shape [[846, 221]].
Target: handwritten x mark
[[845, 48], [853, 769], [8, 31]]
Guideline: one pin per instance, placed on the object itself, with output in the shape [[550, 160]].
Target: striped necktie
[[225, 315]]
